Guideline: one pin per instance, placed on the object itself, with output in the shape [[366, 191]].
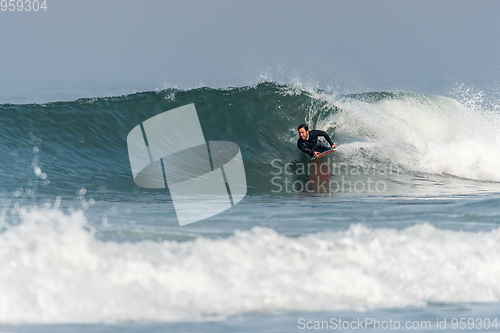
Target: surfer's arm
[[306, 150], [326, 136]]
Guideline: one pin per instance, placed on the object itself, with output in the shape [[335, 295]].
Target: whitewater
[[81, 244]]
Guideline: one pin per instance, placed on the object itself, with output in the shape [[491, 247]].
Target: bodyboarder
[[309, 142]]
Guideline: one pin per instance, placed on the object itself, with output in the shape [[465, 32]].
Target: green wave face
[[82, 143]]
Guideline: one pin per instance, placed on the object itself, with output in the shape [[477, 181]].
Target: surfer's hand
[[315, 154], [334, 146]]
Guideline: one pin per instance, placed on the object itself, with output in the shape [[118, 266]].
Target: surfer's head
[[303, 131]]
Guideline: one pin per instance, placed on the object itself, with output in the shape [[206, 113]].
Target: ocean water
[[400, 225]]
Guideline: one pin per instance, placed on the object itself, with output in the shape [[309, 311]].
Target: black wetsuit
[[313, 144]]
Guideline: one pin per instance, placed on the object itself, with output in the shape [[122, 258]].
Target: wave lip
[[56, 271]]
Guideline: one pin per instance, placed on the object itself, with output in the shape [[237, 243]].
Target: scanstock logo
[[204, 178]]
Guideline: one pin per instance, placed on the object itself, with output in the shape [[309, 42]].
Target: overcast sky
[[100, 47]]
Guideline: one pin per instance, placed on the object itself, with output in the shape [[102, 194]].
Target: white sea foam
[[434, 134], [54, 270]]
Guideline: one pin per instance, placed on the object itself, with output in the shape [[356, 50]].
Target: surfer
[[309, 142]]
